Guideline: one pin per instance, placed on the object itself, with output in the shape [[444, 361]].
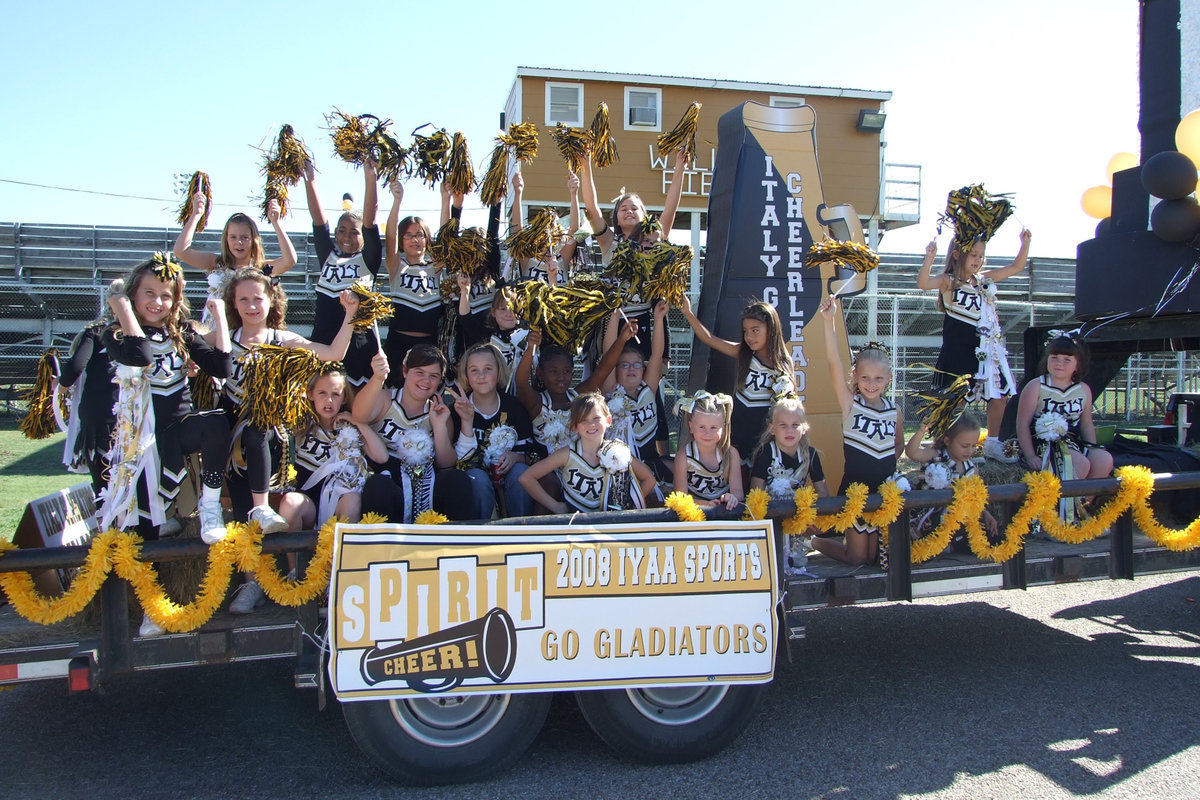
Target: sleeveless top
[[702, 482], [547, 414], [416, 298], [869, 444], [395, 422], [233, 384], [587, 488], [637, 424], [1067, 402], [964, 303]]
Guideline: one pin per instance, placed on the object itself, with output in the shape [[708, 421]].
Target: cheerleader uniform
[[403, 490], [702, 482], [253, 451], [588, 488], [547, 439], [869, 448], [340, 271], [638, 426], [327, 467], [751, 404], [178, 429], [1056, 455], [517, 502], [973, 341], [90, 426], [417, 306]]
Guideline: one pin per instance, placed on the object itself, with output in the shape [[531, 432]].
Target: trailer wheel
[[428, 741], [670, 724]]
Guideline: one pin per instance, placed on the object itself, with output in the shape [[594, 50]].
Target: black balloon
[[1104, 227], [1169, 175], [1176, 220]]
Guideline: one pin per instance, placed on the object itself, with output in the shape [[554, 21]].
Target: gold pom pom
[[604, 150], [198, 183], [462, 253], [938, 409], [565, 314], [38, 422], [495, 181], [536, 237], [683, 135], [373, 307], [431, 155], [276, 385], [975, 214], [573, 143], [460, 175], [523, 137], [670, 272], [857, 257]]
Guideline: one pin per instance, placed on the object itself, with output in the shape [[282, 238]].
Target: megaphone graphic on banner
[[482, 648], [845, 226]]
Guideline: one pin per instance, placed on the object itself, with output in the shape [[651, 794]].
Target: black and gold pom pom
[[670, 274], [604, 148], [857, 257], [540, 233], [276, 385], [939, 408], [683, 135], [573, 143], [431, 155], [523, 136], [165, 267], [565, 314], [495, 181], [206, 394], [460, 175], [279, 193], [351, 135], [38, 422], [975, 214], [287, 159], [372, 307], [198, 183], [460, 253], [391, 158], [629, 268]]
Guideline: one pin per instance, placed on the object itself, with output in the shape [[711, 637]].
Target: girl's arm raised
[[335, 350], [831, 309], [515, 220], [372, 399], [370, 193], [658, 343], [704, 334], [310, 192], [529, 480], [1018, 263], [391, 250], [220, 329], [600, 231], [127, 320], [671, 202], [525, 393], [287, 252], [916, 449], [601, 378], [183, 242], [925, 277]]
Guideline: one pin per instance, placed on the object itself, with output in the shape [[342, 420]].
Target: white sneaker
[[249, 596], [994, 449], [212, 521], [268, 519], [150, 628]]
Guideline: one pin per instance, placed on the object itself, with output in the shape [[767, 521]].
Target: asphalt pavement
[[1075, 690]]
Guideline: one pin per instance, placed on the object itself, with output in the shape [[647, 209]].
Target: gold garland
[[163, 610], [805, 499], [856, 501], [756, 504], [115, 550], [684, 506]]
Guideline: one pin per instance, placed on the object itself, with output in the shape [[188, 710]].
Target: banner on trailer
[[422, 609]]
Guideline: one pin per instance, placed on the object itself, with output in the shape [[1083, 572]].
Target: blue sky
[[1029, 97]]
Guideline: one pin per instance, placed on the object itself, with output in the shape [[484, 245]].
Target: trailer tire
[[670, 724], [429, 741]]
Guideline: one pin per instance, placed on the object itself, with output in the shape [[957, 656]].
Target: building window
[[786, 102], [643, 109], [564, 103]]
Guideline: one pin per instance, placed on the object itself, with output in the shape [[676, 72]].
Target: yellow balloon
[[347, 205], [1119, 162], [1187, 136], [1097, 202]]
